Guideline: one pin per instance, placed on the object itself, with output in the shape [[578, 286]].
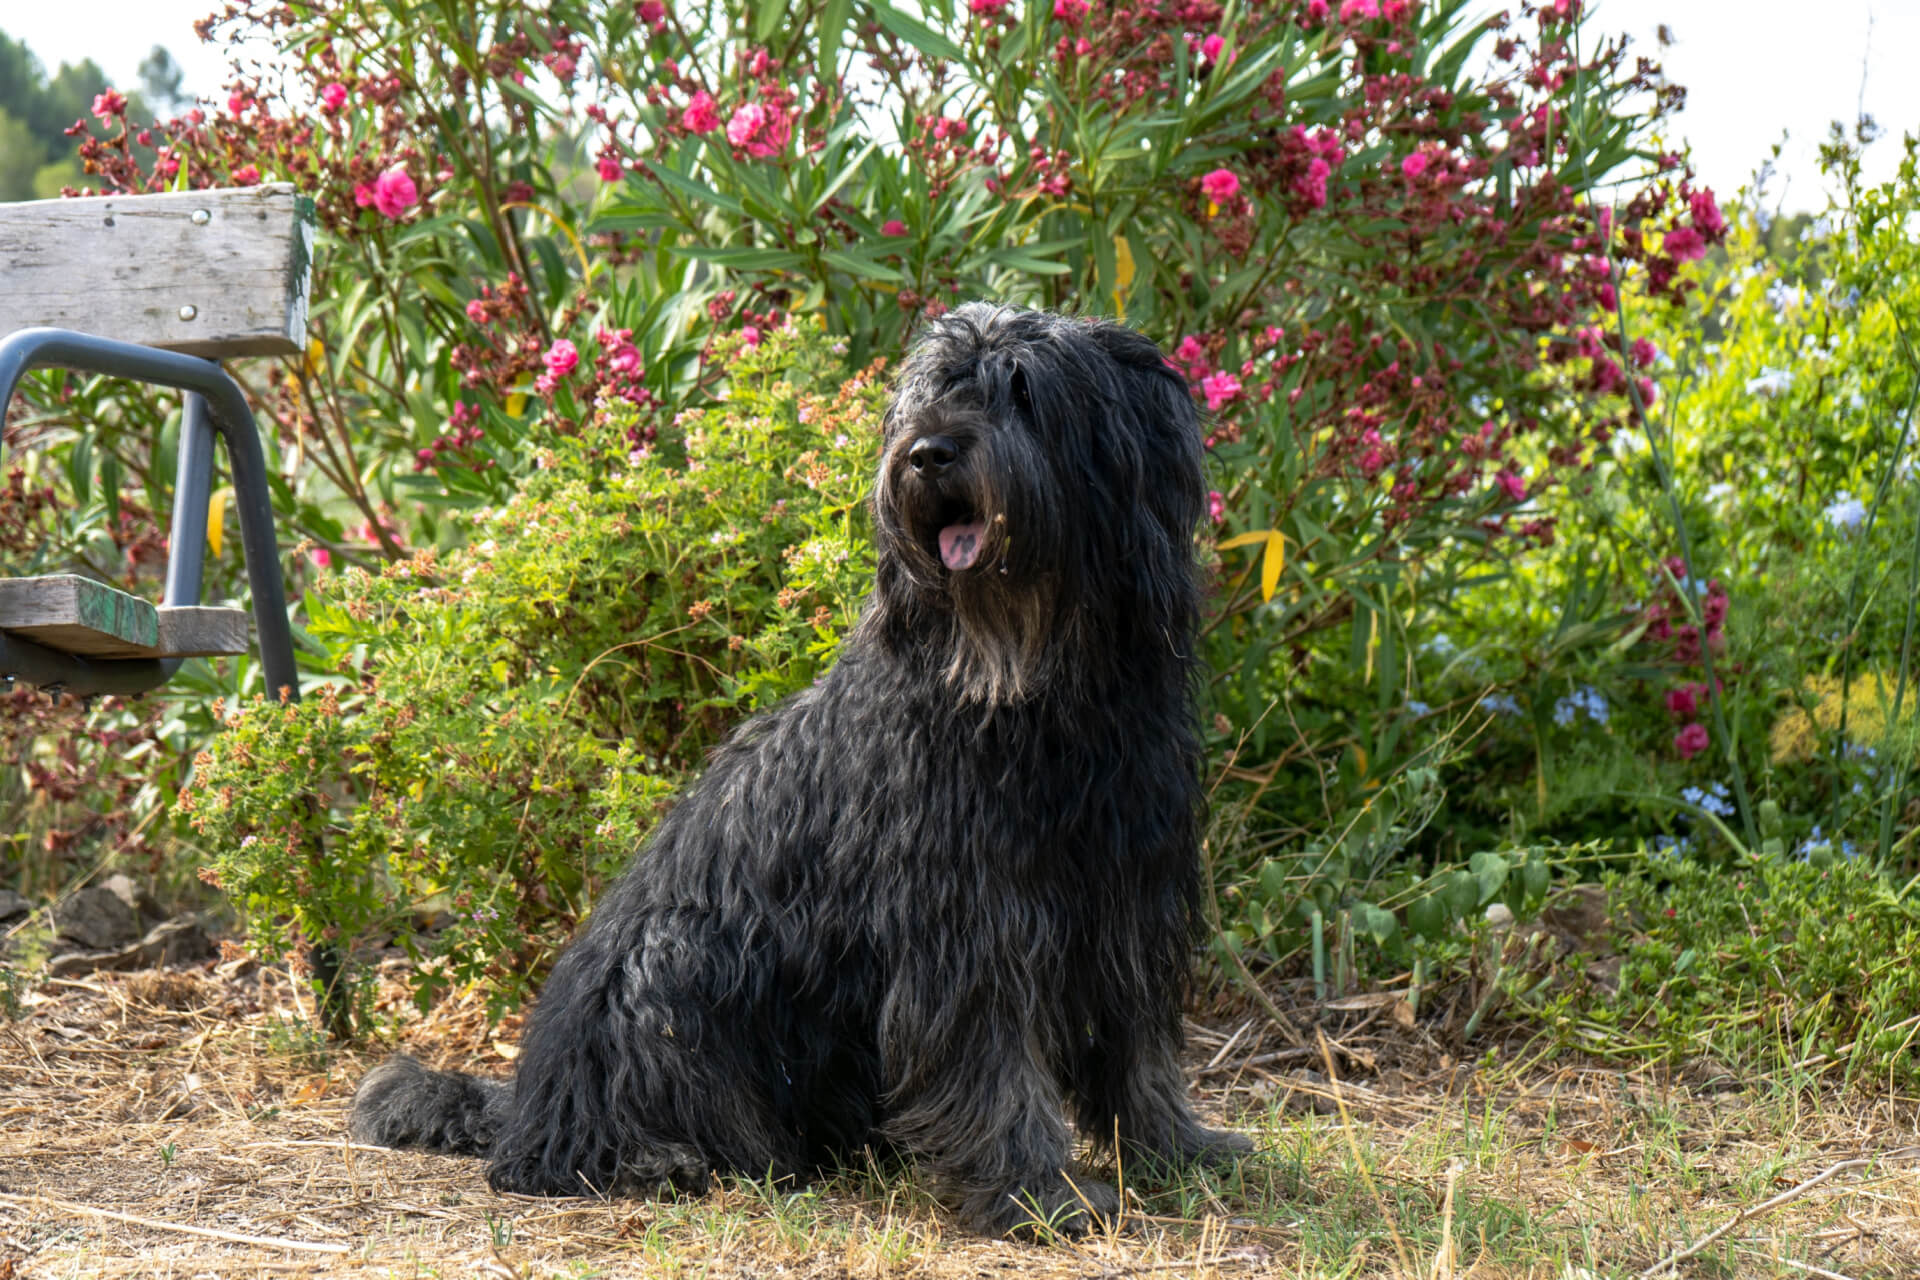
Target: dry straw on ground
[[176, 1124]]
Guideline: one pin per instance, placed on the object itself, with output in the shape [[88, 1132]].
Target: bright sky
[[1754, 68]]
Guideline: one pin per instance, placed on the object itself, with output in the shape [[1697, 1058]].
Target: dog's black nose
[[932, 454]]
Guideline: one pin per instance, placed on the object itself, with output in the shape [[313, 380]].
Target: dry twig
[[213, 1233]]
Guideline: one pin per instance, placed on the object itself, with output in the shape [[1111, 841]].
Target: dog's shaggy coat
[[947, 894]]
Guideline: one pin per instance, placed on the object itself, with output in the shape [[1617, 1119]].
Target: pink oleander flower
[[622, 356], [1219, 389], [894, 227], [1707, 217], [750, 334], [393, 193], [1355, 10], [333, 97], [1684, 244], [986, 8], [1312, 185], [608, 167], [1691, 741], [1210, 47], [653, 13], [1191, 352], [476, 309], [1513, 485], [560, 358], [701, 115], [1414, 165], [246, 176], [758, 131], [625, 360], [108, 103], [1316, 10], [165, 163], [1220, 186], [239, 103], [1644, 352], [1216, 507], [1609, 297], [1683, 702], [1071, 10]]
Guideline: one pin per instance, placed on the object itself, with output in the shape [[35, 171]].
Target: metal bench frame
[[214, 404]]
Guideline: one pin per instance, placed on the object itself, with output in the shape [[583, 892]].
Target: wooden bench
[[157, 288]]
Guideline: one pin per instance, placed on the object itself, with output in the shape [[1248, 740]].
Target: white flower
[[1771, 383]]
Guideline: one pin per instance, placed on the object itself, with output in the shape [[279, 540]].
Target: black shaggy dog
[[946, 894]]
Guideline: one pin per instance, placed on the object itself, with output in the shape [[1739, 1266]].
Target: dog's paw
[[664, 1169], [1217, 1149], [1220, 1148], [1057, 1207]]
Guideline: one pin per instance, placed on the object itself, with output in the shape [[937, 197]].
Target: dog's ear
[[1018, 389]]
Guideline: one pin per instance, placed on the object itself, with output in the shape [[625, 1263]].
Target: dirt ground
[[186, 1123]]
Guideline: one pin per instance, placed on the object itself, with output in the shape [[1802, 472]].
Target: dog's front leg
[[1128, 1086], [980, 1108]]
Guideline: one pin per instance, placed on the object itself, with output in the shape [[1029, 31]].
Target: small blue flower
[[1417, 707], [1585, 700], [1675, 847], [1501, 702], [1846, 511], [1712, 799]]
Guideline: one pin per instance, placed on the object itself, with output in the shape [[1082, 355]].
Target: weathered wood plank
[[78, 615], [216, 273], [200, 632]]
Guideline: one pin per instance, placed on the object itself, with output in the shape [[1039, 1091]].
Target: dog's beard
[[982, 544]]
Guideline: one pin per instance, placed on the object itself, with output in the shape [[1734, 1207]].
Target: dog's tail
[[402, 1104]]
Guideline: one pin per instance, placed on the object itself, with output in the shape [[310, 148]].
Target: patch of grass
[[1800, 973]]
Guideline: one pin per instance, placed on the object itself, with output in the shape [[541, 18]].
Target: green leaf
[[918, 34], [744, 259], [859, 265]]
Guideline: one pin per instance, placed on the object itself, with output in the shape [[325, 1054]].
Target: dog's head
[[1039, 485]]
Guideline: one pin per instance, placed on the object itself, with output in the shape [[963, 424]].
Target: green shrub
[[1784, 966], [510, 718]]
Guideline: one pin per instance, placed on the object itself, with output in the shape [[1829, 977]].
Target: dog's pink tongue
[[960, 544]]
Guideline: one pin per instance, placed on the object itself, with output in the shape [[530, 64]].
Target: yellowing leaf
[[1245, 539], [315, 354], [1273, 564], [515, 403], [1122, 274], [1359, 761], [217, 518], [1273, 561]]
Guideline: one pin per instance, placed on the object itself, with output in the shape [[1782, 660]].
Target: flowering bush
[[1387, 277], [505, 721], [1790, 448]]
